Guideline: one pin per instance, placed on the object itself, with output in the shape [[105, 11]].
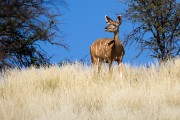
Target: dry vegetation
[[73, 92]]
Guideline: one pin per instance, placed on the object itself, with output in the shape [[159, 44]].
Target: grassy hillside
[[74, 92]]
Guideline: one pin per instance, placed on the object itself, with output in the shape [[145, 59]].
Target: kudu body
[[107, 50]]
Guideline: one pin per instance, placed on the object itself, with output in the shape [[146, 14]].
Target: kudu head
[[112, 26]]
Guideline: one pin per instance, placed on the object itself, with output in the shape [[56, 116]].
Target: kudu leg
[[96, 64], [110, 68], [120, 71], [99, 66]]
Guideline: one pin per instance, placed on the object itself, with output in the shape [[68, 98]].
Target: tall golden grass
[[75, 92]]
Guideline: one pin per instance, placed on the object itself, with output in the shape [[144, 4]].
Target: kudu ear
[[119, 19], [108, 19]]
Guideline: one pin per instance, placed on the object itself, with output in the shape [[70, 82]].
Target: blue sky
[[84, 22]]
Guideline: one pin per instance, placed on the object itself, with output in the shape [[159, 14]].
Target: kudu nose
[[105, 28]]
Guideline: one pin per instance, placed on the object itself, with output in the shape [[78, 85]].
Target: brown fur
[[108, 49]]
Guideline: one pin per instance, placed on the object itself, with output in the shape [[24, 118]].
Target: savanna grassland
[[75, 92]]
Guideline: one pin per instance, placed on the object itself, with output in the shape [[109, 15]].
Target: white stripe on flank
[[106, 45], [96, 48]]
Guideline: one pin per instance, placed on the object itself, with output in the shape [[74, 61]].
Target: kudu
[[107, 50]]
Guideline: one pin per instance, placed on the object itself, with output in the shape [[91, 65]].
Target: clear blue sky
[[84, 23]]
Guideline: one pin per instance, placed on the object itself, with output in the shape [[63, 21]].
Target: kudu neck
[[116, 35], [117, 42]]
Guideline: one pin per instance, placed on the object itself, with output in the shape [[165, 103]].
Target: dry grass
[[73, 92]]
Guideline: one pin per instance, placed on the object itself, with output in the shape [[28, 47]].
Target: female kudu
[[108, 49]]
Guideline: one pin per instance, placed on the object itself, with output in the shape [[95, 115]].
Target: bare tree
[[24, 25], [157, 27]]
